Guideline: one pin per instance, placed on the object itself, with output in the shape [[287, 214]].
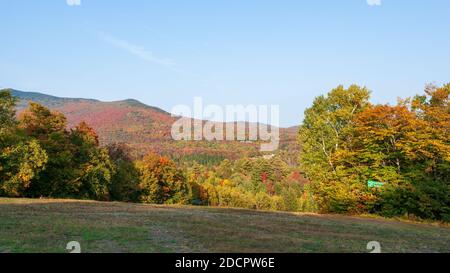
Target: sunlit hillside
[[145, 128]]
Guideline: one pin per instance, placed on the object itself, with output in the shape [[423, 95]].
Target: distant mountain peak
[[136, 103], [57, 102]]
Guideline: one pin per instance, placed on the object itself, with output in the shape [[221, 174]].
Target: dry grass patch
[[45, 225]]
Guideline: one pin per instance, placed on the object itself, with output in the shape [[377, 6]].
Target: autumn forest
[[348, 156]]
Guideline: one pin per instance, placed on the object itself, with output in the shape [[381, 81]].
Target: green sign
[[375, 184]]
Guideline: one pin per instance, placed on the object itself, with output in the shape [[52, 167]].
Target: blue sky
[[166, 52]]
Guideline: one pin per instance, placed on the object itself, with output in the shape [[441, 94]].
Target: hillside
[[48, 225], [144, 128]]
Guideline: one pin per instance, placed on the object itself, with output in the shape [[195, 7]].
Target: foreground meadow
[[46, 225]]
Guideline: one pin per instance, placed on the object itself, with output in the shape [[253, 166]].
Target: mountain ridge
[[41, 97], [144, 128]]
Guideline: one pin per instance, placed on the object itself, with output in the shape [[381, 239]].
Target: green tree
[[125, 181], [92, 163], [7, 111], [19, 164], [263, 201], [21, 158], [95, 175], [326, 127], [59, 179], [225, 169]]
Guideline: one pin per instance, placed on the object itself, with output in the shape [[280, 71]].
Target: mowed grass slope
[[48, 225]]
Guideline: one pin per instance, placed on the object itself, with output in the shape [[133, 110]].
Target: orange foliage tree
[[161, 181]]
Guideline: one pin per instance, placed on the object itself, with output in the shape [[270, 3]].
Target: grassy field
[[48, 225]]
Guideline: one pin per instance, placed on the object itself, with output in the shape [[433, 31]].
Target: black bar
[[225, 262]]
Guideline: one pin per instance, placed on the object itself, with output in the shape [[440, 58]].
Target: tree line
[[389, 160], [356, 157], [41, 157]]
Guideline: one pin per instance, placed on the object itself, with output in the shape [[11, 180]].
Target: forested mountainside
[[145, 128]]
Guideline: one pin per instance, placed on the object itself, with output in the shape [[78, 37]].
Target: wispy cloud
[[138, 51], [148, 56], [73, 2], [374, 2]]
